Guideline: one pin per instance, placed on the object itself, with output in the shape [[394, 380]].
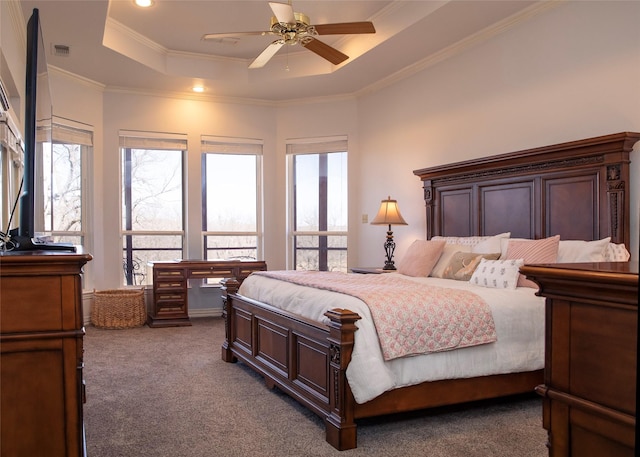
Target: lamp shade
[[388, 214]]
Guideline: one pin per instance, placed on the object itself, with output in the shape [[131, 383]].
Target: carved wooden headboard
[[578, 190]]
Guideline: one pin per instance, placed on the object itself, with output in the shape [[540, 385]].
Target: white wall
[[13, 50], [571, 73]]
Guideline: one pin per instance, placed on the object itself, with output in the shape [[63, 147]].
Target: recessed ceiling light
[[144, 3]]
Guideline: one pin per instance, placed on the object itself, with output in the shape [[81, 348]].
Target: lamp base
[[389, 247]]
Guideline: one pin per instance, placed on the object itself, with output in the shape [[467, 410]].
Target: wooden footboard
[[308, 361], [305, 359]]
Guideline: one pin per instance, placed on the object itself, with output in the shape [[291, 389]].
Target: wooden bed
[[578, 190]]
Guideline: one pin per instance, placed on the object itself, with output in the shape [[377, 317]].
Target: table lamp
[[389, 214]]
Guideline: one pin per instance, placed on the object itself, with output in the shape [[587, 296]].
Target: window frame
[[153, 141], [74, 134], [233, 146], [12, 169], [322, 147]]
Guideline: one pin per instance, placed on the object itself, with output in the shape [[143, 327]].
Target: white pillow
[[446, 256], [491, 244], [616, 253], [497, 274], [570, 251]]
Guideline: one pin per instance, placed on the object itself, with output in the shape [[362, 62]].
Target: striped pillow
[[533, 251]]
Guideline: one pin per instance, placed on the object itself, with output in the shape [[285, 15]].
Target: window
[[65, 165], [231, 198], [152, 201], [60, 180], [11, 168], [318, 198]]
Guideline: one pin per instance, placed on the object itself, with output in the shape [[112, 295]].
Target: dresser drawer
[[165, 284], [170, 309], [170, 296], [212, 271], [31, 304], [169, 274]]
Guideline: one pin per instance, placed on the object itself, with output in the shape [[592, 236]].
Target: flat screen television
[[37, 130]]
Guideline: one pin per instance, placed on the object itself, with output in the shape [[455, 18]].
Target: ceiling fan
[[296, 28]]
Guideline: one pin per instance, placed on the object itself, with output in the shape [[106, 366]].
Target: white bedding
[[518, 315]]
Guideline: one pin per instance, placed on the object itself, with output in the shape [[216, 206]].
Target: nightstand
[[369, 270]]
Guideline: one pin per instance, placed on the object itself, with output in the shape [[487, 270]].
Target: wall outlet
[[365, 218]]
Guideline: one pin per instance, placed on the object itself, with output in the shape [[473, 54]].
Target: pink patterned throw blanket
[[410, 318]]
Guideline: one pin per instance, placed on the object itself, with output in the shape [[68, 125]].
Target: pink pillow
[[421, 257], [533, 251]]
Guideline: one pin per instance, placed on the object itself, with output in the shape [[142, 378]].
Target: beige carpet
[[166, 392]]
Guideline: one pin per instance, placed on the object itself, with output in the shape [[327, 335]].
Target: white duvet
[[518, 315]]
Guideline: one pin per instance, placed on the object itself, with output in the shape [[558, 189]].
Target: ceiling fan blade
[[325, 51], [283, 12], [345, 28], [267, 54], [217, 36]]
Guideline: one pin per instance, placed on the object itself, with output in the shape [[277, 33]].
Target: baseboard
[[87, 301], [205, 312]]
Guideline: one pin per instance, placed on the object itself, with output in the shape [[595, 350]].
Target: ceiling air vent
[[61, 50]]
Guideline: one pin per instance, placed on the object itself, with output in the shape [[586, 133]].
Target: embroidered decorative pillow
[[421, 257], [463, 264], [616, 253], [497, 274], [463, 240], [570, 251], [533, 251], [447, 253]]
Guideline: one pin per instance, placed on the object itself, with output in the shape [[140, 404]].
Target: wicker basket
[[118, 308]]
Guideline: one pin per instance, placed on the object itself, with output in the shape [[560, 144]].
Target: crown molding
[[90, 83]]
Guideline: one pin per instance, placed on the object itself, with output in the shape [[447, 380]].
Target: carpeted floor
[[165, 392]]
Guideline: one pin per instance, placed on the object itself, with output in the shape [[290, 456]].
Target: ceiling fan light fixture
[[302, 20], [144, 3]]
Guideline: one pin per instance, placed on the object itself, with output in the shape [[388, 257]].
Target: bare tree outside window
[[320, 212], [63, 171], [63, 188], [230, 205], [152, 213]]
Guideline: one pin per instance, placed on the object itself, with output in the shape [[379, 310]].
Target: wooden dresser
[[41, 363], [590, 357], [170, 305]]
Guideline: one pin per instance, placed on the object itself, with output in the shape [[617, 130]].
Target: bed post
[[430, 208], [227, 286], [340, 423]]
